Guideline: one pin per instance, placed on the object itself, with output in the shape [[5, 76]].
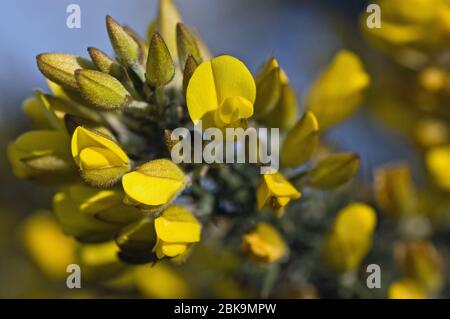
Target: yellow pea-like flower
[[265, 244], [420, 260], [161, 281], [176, 230], [101, 161], [275, 192], [153, 185], [49, 248], [42, 155], [221, 93], [406, 289], [438, 163], [338, 91], [350, 237], [394, 190]]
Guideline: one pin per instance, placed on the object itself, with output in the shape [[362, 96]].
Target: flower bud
[[101, 161], [186, 45], [265, 244], [268, 87], [153, 185], [160, 69], [189, 69], [301, 142], [334, 170], [176, 230], [126, 48], [60, 68], [106, 64]]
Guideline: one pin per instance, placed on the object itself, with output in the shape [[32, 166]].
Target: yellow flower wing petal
[[280, 187], [150, 190], [177, 225]]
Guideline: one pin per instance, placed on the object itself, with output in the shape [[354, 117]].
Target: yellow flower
[[43, 155], [176, 230], [265, 244], [406, 289], [338, 91], [221, 93], [161, 281], [89, 214], [438, 163], [153, 185], [394, 190], [350, 237], [50, 249], [419, 260], [411, 23], [101, 161], [275, 192]]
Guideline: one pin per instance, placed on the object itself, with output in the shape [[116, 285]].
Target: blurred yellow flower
[[176, 229], [406, 289], [438, 163], [275, 192], [161, 281], [265, 244], [412, 23], [337, 92], [419, 260], [153, 185], [394, 189], [221, 93], [101, 161], [49, 248], [350, 237]]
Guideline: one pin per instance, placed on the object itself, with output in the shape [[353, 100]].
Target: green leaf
[[186, 45], [102, 90], [160, 68], [60, 68], [334, 170], [126, 48]]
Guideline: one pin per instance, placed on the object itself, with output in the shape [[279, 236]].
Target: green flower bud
[[102, 90], [334, 170], [268, 88], [126, 48], [160, 68], [106, 64], [60, 68], [186, 45], [189, 68]]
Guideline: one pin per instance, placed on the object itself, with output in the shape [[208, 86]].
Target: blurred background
[[304, 36]]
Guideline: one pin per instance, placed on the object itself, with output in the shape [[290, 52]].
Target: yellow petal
[[97, 158], [177, 225], [172, 250], [336, 94], [150, 190], [406, 289], [83, 138], [280, 187], [216, 80]]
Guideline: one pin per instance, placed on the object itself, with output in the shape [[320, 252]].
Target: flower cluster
[[103, 138]]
